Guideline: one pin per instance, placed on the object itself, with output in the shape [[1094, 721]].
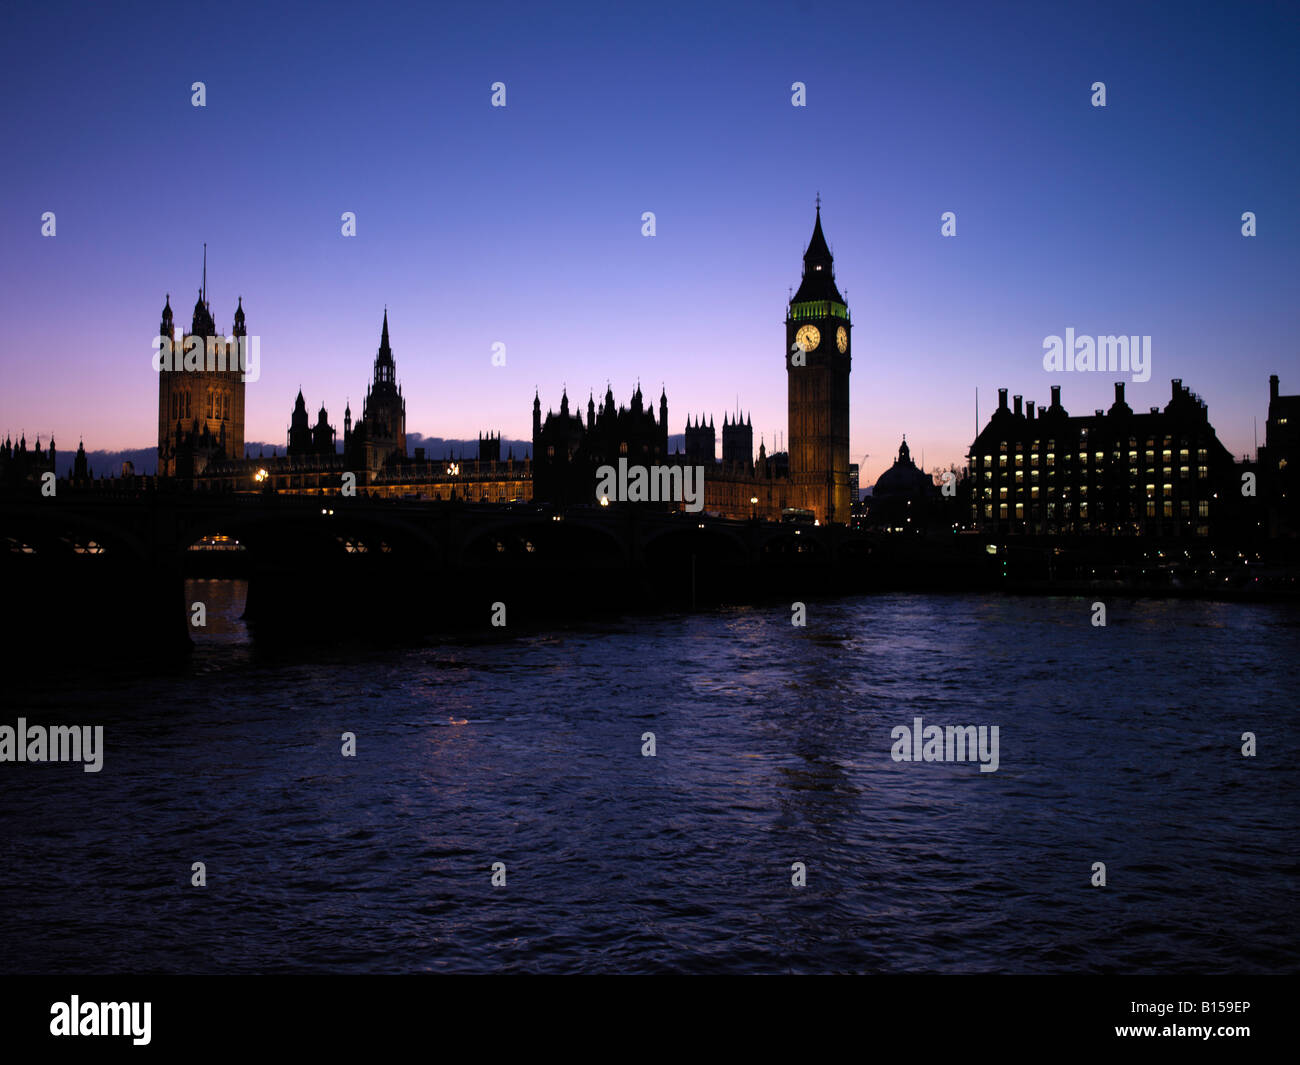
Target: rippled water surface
[[1120, 745]]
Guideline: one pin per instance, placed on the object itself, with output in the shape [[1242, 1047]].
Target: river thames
[[1119, 745]]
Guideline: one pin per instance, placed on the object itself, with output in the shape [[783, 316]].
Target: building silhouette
[[306, 439], [373, 452], [380, 436], [811, 480], [200, 410], [20, 466], [904, 497], [567, 452], [1278, 462], [1113, 473]]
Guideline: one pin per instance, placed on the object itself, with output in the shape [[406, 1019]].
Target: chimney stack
[[1019, 409], [1272, 386], [1119, 391], [1056, 395], [1029, 410], [1002, 399]]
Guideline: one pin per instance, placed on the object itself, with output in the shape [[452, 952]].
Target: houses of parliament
[[201, 430], [811, 479], [1030, 470]]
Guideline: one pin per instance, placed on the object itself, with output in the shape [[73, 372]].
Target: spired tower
[[380, 436], [200, 411], [818, 390], [384, 411]]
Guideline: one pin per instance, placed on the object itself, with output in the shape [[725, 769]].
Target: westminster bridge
[[117, 565]]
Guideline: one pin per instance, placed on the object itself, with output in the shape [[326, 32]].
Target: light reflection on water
[[773, 746]]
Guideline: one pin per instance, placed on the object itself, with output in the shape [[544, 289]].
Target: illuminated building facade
[[1116, 472], [818, 358], [200, 411]]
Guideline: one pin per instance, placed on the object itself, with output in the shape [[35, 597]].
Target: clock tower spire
[[817, 360]]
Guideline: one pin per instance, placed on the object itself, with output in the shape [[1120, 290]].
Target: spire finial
[[205, 271], [819, 203]]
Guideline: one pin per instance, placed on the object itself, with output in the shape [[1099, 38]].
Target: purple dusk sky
[[522, 225]]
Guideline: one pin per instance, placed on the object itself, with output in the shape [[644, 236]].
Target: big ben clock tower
[[818, 354]]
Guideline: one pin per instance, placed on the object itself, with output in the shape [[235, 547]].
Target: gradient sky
[[523, 225]]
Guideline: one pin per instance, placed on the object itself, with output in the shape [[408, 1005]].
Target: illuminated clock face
[[842, 339], [808, 338]]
